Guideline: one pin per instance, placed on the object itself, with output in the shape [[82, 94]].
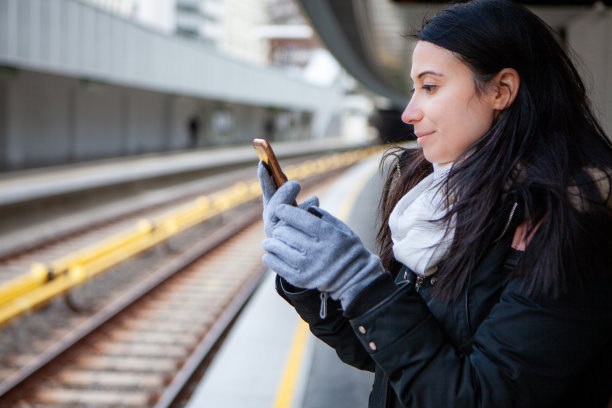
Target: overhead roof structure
[[368, 37]]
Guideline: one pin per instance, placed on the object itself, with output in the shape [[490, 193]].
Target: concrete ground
[[261, 364]]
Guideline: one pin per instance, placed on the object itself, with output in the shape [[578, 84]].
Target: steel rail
[[20, 382], [182, 379], [45, 282]]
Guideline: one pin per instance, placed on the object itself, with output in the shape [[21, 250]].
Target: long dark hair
[[546, 150]]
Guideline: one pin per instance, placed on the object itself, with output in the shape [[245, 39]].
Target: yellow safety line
[[351, 197], [34, 288], [284, 395]]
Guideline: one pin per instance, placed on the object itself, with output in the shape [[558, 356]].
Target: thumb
[[268, 187], [286, 194]]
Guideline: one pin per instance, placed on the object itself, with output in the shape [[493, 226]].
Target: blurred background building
[[95, 79]]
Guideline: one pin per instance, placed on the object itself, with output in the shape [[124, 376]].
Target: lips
[[421, 137]]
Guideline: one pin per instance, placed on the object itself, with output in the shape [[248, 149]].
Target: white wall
[[147, 123], [160, 14], [38, 118], [181, 109], [84, 83], [71, 38], [3, 120], [99, 120], [49, 119], [241, 19]]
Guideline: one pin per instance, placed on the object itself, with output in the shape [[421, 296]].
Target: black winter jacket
[[495, 347]]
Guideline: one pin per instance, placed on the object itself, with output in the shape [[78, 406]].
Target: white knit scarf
[[419, 243]]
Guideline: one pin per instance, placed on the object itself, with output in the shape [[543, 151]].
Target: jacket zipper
[[466, 303], [323, 311], [418, 283]]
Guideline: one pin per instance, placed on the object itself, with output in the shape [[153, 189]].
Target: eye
[[411, 92], [429, 88]]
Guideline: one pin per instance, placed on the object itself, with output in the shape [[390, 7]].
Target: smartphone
[[267, 156]]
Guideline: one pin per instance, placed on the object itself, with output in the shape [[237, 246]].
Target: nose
[[412, 113]]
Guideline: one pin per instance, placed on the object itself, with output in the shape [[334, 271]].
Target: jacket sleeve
[[526, 352], [334, 330]]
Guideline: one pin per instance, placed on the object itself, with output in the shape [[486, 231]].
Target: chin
[[432, 158], [435, 157]]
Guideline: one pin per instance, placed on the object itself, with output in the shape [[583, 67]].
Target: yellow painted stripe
[[284, 397], [351, 197]]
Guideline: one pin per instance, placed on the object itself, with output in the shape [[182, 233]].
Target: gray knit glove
[[314, 250], [273, 198]]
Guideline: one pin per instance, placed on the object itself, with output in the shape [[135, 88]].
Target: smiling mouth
[[420, 135]]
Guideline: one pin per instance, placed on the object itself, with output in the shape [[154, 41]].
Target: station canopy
[[369, 37]]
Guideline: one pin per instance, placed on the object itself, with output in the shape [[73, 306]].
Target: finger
[[315, 222], [291, 256], [293, 237], [300, 219], [333, 221], [286, 194], [312, 201], [280, 267]]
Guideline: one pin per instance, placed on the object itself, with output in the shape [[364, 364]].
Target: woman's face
[[447, 113]]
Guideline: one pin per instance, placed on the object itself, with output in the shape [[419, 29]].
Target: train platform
[[270, 358], [38, 203], [26, 185]]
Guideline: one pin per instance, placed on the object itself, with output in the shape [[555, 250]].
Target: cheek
[[477, 119], [460, 119]]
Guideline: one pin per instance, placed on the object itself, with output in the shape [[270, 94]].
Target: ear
[[507, 82]]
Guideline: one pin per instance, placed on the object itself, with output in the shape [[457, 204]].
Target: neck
[[441, 169]]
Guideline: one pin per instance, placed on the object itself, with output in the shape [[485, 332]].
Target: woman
[[494, 283]]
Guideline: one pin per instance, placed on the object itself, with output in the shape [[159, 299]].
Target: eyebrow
[[429, 73]]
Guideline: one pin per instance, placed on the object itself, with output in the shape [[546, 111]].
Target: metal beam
[[342, 38]]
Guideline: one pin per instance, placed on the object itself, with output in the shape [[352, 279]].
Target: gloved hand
[[273, 198], [319, 251]]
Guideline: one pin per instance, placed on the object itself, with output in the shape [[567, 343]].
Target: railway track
[[143, 330], [132, 351]]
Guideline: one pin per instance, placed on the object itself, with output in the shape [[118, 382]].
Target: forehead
[[430, 57]]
